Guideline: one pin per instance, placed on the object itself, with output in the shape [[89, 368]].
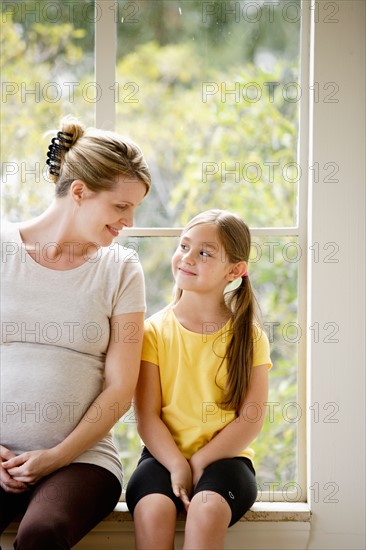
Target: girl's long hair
[[235, 237]]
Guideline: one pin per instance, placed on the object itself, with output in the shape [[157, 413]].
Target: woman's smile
[[113, 230]]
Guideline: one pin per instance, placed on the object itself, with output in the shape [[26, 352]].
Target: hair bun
[[97, 157], [71, 131], [71, 125]]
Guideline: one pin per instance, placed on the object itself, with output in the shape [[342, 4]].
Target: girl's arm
[[237, 435], [121, 373], [156, 435]]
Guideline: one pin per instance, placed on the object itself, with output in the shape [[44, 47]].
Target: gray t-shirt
[[55, 330]]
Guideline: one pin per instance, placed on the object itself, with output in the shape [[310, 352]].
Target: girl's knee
[[155, 507], [208, 499], [209, 506], [155, 518]]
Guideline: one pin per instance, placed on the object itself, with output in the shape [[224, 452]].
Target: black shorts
[[232, 478]]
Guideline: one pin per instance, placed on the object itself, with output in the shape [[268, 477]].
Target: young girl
[[200, 399]]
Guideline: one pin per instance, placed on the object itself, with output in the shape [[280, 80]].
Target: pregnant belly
[[45, 391]]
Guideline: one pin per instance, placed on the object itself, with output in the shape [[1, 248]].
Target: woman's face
[[102, 215]]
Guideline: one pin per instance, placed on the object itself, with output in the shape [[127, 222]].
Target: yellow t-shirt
[[190, 387]]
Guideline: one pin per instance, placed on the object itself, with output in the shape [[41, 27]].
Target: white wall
[[338, 289]]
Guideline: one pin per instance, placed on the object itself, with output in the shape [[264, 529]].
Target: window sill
[[117, 529], [260, 511], [120, 520]]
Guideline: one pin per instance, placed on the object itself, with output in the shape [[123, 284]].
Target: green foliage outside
[[191, 145]]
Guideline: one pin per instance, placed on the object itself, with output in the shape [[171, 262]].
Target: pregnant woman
[[73, 304]]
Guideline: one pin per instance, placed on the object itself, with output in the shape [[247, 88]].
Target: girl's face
[[200, 262], [102, 215]]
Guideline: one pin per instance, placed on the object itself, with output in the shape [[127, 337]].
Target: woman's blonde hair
[[234, 236], [97, 157]]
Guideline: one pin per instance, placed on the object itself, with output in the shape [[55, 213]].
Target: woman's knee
[[41, 536]]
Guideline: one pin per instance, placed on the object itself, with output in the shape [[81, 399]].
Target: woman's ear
[[77, 191], [236, 271]]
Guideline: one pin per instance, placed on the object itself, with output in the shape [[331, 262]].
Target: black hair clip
[[55, 152], [61, 137]]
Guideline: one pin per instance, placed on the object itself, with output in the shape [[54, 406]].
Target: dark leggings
[[61, 508], [232, 478]]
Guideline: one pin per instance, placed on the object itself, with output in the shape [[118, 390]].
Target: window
[[211, 92], [47, 63]]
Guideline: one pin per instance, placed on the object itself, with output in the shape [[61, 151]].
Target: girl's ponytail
[[239, 353]]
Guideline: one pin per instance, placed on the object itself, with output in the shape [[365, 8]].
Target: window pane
[[210, 91], [47, 63], [273, 270]]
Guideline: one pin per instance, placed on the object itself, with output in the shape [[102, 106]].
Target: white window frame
[[105, 117]]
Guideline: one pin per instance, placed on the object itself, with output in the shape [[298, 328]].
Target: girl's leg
[[226, 490], [207, 521], [154, 506], [155, 518], [66, 505]]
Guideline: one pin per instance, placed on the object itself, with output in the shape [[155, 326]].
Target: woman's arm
[[156, 435], [237, 435], [121, 374]]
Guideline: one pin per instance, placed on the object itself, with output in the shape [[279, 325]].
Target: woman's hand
[[182, 482], [7, 482], [31, 466]]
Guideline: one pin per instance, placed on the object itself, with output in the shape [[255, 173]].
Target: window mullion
[[105, 64], [175, 231], [302, 221]]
